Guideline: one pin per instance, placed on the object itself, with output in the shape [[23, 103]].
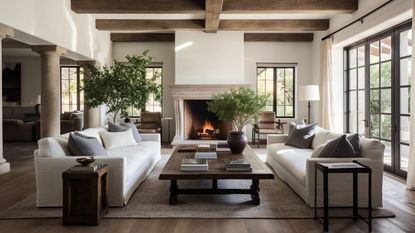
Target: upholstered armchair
[[150, 122], [71, 121], [266, 124]]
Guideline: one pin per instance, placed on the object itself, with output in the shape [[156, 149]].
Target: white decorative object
[[308, 93], [296, 167], [129, 167], [114, 140]]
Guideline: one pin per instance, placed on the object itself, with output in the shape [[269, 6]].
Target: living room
[[262, 100]]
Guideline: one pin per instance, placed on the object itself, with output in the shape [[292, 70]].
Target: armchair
[[267, 124], [150, 122]]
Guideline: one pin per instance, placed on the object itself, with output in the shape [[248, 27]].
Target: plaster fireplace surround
[[189, 94]]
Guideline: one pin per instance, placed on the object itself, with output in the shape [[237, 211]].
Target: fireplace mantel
[[182, 92], [201, 91]]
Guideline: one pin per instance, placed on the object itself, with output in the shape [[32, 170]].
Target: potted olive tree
[[241, 106], [121, 86]]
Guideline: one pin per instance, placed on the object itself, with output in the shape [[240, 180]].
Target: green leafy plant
[[241, 106], [121, 86]]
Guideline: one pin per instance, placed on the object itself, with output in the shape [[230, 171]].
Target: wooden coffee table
[[172, 172]]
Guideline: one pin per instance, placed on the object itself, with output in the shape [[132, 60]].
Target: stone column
[[50, 89], [4, 165], [91, 115]]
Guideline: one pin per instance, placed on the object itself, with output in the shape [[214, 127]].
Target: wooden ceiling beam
[[275, 25], [225, 25], [281, 6], [142, 37], [140, 25], [137, 6], [278, 37], [213, 10]]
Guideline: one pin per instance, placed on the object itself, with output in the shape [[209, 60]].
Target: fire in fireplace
[[200, 124]]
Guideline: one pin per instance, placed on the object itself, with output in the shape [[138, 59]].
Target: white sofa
[[129, 166], [296, 168]]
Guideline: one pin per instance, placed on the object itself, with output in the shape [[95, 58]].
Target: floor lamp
[[309, 93]]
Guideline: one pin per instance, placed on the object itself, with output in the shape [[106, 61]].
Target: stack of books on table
[[205, 152], [87, 168], [193, 165], [222, 147], [237, 165]]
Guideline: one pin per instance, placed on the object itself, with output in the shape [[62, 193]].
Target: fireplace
[[200, 124], [183, 95]]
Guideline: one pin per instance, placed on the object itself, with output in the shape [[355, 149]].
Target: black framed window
[[72, 98], [377, 74], [152, 104], [279, 84]]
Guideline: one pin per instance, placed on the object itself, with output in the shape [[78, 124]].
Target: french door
[[378, 71]]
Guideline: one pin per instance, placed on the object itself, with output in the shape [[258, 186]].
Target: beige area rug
[[150, 200]]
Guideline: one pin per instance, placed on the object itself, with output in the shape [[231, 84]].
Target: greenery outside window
[[152, 105], [278, 82], [72, 98]]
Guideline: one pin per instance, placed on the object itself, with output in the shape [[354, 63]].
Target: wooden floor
[[20, 182]]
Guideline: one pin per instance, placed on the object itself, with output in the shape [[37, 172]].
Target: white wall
[[30, 78], [283, 52], [54, 22], [162, 52], [213, 58]]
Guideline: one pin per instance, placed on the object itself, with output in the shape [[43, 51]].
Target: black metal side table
[[354, 168]]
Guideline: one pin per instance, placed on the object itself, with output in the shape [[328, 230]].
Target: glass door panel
[[405, 51]]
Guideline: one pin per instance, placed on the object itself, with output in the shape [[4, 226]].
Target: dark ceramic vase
[[237, 142]]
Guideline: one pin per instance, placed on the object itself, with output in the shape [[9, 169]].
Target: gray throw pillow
[[293, 124], [116, 128], [354, 139], [81, 145], [338, 148], [134, 129], [301, 137]]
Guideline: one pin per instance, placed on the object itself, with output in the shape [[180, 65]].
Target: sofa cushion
[[133, 128], [12, 122], [113, 140], [322, 136], [53, 147], [81, 145], [94, 132], [292, 158], [301, 137], [338, 148], [138, 157]]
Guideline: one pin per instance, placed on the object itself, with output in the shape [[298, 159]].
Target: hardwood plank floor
[[20, 183]]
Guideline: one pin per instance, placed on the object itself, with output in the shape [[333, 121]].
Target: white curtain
[[410, 182], [326, 79]]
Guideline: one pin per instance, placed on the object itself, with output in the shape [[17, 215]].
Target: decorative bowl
[[86, 161]]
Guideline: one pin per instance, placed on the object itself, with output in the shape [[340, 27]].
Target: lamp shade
[[308, 93]]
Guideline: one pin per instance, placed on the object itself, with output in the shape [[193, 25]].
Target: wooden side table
[[354, 168], [85, 196]]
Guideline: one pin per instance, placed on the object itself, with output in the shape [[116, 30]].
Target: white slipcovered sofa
[[296, 168], [129, 166]]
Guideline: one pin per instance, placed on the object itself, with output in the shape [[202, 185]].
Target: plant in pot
[[121, 86], [241, 106]]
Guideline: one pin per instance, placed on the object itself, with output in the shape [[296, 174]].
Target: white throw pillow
[[113, 140], [316, 152]]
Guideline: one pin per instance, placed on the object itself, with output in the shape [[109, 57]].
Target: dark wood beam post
[[213, 10]]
